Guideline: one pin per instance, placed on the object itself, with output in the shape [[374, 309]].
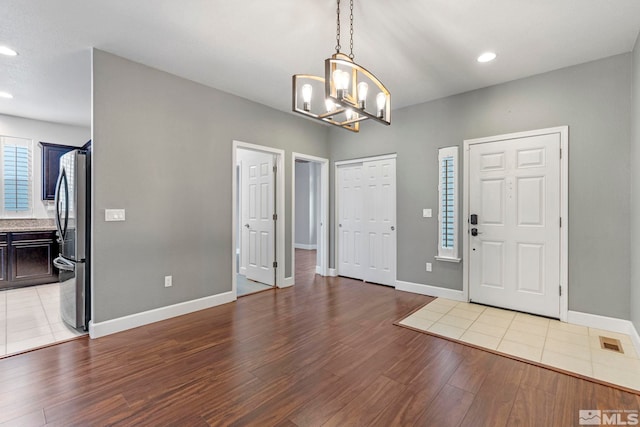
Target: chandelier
[[346, 98]]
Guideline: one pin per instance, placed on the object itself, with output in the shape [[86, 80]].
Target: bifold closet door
[[367, 221]]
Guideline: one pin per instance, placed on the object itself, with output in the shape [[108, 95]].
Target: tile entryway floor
[[30, 318], [549, 342]]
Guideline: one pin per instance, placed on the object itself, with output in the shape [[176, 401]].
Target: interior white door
[[350, 224], [514, 189], [258, 228], [366, 221], [380, 221]]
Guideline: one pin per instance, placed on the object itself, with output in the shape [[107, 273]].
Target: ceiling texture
[[420, 49]]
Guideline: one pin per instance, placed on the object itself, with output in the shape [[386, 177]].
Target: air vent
[[611, 344]]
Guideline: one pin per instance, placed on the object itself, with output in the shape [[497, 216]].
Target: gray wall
[[592, 99], [162, 151], [635, 190]]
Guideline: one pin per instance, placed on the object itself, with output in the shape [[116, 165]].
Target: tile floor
[[551, 342], [30, 318]]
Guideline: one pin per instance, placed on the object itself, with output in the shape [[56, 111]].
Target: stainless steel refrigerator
[[72, 220]]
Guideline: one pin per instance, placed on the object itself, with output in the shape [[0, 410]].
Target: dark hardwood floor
[[324, 352]]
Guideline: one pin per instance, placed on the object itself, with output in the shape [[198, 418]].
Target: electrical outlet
[[428, 266], [168, 281]]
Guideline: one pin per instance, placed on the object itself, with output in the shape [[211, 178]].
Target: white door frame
[[323, 234], [564, 208], [279, 206], [336, 230]]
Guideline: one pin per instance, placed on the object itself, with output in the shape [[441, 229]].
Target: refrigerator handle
[[62, 264], [62, 180]]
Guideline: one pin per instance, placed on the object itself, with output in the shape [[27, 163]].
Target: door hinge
[[275, 169], [560, 290], [275, 264], [561, 153], [560, 222], [275, 217]]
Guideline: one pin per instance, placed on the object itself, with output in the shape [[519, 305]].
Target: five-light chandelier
[[345, 90]]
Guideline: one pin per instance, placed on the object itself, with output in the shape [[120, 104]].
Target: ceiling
[[420, 49]]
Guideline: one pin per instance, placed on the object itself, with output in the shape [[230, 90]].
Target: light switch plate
[[114, 215], [427, 213]]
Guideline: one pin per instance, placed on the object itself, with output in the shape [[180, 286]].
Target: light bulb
[[345, 80], [363, 88], [341, 82], [381, 100], [330, 105], [349, 113], [337, 79], [306, 97]]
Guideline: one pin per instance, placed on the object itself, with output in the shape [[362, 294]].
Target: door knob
[[246, 225], [475, 232], [392, 228], [339, 225]]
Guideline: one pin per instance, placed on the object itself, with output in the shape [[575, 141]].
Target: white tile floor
[[30, 318], [569, 347]]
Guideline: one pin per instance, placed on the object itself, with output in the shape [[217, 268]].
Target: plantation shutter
[[16, 176]]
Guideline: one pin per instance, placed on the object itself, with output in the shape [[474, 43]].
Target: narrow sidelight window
[[448, 204]]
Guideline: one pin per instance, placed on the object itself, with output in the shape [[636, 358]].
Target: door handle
[[392, 228], [475, 232], [247, 225]]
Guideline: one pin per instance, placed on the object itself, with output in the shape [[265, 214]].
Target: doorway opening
[[258, 211], [310, 208]]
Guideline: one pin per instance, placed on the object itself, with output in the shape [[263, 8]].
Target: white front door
[[514, 190], [380, 221], [350, 224], [257, 209], [367, 221]]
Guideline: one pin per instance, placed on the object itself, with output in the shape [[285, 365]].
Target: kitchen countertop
[[8, 225]]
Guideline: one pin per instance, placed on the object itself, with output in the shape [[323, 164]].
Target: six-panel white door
[[366, 221], [257, 216], [514, 189], [350, 223], [380, 221]]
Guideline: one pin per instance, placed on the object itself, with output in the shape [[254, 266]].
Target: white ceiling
[[420, 49]]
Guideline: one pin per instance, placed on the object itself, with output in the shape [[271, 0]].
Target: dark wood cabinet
[[51, 154], [26, 258]]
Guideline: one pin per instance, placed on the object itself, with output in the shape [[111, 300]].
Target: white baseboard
[[319, 270], [288, 281], [108, 327], [243, 271], [305, 247], [433, 291], [606, 323], [333, 272]]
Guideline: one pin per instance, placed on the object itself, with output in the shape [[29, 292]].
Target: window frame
[[20, 142], [449, 254]]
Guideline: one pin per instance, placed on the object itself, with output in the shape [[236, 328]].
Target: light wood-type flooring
[[324, 352]]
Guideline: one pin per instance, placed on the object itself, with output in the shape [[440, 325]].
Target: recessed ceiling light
[[7, 51], [486, 57], [6, 95]]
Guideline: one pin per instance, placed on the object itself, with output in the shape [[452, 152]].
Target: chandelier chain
[[338, 28], [351, 30]]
